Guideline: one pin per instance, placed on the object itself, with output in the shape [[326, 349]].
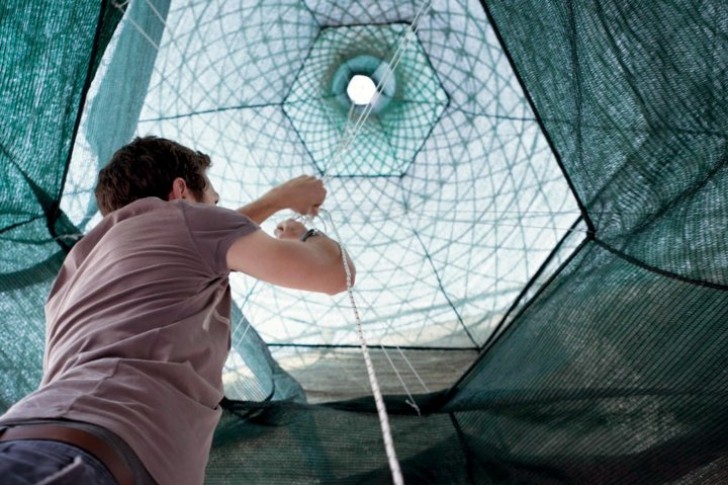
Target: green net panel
[[535, 199], [45, 70]]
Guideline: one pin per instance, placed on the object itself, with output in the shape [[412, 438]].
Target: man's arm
[[303, 194], [312, 265]]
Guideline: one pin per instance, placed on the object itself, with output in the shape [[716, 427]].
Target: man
[[138, 322]]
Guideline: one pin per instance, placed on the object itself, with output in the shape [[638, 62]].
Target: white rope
[[410, 400], [378, 399], [350, 134], [394, 62], [422, 383]]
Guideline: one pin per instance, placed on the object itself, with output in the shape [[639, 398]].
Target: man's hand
[[303, 194], [290, 229]]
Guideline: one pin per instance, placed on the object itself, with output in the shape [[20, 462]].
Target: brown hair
[[146, 167]]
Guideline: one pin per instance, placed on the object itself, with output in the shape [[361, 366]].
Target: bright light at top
[[361, 89]]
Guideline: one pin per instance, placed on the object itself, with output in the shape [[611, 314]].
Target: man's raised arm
[[303, 194], [314, 264]]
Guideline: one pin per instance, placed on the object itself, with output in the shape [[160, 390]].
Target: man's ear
[[179, 190]]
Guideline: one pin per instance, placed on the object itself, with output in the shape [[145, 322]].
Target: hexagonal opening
[[376, 138]]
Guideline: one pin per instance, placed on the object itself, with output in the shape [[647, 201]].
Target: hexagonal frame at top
[[377, 140]]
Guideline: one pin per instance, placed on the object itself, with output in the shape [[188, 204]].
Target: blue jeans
[[42, 462]]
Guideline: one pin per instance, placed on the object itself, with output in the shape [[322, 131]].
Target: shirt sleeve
[[213, 230]]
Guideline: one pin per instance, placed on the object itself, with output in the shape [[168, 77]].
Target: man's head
[[153, 167]]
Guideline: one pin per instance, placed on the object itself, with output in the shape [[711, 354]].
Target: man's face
[[209, 195]]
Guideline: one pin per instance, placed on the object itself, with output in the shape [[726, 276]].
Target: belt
[[88, 442]]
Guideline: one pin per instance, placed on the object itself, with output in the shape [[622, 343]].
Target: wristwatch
[[310, 233]]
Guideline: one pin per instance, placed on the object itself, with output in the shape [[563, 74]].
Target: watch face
[[309, 233]]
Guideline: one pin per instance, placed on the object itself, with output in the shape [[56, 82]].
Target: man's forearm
[[303, 195], [261, 209]]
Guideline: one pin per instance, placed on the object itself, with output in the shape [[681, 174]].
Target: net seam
[[660, 271]]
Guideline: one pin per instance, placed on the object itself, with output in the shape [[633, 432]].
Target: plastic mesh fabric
[[633, 97], [48, 55], [305, 437], [637, 400]]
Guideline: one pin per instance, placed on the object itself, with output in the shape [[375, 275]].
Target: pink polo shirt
[[138, 330]]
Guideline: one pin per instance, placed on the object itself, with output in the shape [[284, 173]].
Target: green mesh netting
[[48, 57], [536, 201]]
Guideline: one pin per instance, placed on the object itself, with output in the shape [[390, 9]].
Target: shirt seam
[[192, 239]]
